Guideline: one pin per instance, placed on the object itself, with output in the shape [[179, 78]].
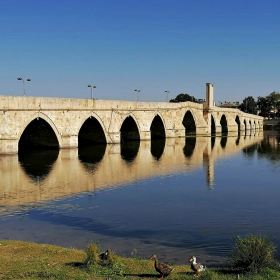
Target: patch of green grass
[[26, 260]]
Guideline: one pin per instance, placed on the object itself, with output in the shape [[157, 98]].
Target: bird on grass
[[161, 268], [196, 267], [105, 258]]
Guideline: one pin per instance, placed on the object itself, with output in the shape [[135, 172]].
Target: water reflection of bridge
[[67, 172]]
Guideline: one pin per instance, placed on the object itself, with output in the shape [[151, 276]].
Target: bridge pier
[[113, 137], [145, 135], [233, 128], [218, 130], [242, 127], [68, 141], [8, 146], [202, 130], [177, 133]]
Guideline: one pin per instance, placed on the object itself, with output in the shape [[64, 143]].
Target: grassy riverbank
[[26, 260]]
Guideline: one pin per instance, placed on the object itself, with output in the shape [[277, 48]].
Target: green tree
[[274, 102], [263, 106], [183, 97], [249, 105]]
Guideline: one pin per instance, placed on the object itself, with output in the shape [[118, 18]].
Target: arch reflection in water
[[213, 139], [69, 171], [37, 163], [223, 141], [91, 155], [157, 148], [237, 140], [190, 143], [129, 150]]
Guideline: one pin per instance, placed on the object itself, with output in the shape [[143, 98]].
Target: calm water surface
[[174, 198]]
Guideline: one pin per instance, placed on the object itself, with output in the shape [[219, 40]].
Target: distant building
[[233, 105], [200, 100]]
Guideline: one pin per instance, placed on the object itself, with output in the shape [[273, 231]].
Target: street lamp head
[[24, 80], [91, 89]]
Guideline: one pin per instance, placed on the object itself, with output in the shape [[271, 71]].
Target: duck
[[161, 268], [196, 267], [105, 257]]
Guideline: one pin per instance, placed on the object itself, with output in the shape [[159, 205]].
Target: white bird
[[196, 267]]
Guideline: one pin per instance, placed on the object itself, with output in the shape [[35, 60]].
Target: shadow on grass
[[148, 275], [77, 264], [141, 275], [226, 271]]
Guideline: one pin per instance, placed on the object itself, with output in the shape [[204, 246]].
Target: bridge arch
[[213, 125], [245, 125], [91, 132], [39, 131], [237, 120], [224, 124], [98, 118], [256, 124], [259, 125], [129, 129], [157, 128], [189, 123]]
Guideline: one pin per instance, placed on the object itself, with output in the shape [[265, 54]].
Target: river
[[174, 198]]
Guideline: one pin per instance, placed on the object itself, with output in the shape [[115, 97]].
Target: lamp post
[[137, 91], [24, 80], [91, 89], [167, 91]]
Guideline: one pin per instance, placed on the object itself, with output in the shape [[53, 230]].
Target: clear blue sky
[[151, 45]]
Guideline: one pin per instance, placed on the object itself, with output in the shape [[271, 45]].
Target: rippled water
[[174, 198]]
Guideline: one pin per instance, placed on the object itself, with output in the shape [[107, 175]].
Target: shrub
[[252, 254], [92, 252]]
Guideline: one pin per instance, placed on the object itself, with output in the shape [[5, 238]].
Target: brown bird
[[161, 268], [196, 267]]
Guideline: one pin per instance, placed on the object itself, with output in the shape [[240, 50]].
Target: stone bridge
[[67, 122]]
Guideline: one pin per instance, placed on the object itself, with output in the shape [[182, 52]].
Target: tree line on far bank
[[267, 106]]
